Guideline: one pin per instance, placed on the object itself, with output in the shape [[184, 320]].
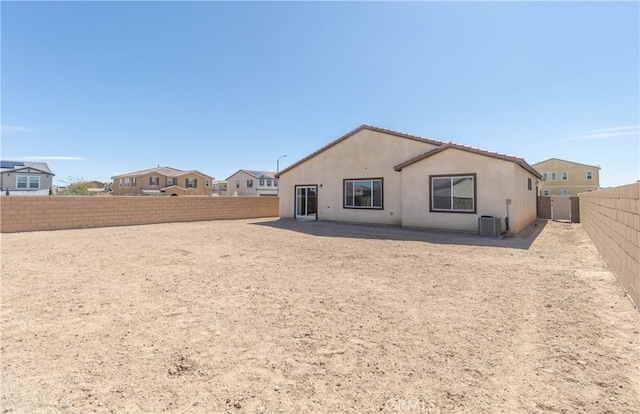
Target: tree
[[77, 186]]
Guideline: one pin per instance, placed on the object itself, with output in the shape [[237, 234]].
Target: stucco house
[[162, 181], [219, 187], [567, 178], [25, 178], [374, 175], [252, 183]]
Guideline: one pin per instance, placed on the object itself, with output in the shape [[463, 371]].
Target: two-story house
[[561, 177], [219, 187], [252, 183], [25, 178], [162, 181]]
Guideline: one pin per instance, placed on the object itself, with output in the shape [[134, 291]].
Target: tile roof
[[269, 175], [521, 162], [355, 131], [17, 165], [441, 146], [166, 171], [570, 162]]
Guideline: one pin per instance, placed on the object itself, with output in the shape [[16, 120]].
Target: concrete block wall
[[23, 213], [575, 209], [611, 217], [544, 207]]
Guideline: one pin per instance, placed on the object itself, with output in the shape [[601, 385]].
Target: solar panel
[[11, 164]]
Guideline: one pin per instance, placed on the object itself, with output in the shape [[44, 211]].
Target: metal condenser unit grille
[[489, 226]]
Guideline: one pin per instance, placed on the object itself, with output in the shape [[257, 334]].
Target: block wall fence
[[544, 207], [24, 213], [611, 217]]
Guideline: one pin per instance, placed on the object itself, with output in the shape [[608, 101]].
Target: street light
[[277, 171]]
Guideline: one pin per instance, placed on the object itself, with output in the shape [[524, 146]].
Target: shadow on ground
[[522, 240]]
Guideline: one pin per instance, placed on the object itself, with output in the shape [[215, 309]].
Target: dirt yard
[[266, 316]]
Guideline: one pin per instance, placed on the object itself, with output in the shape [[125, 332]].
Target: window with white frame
[[34, 183], [275, 183], [206, 183], [120, 182], [133, 182], [237, 183], [28, 182], [249, 183], [127, 182], [453, 193], [261, 182], [546, 192], [554, 176], [22, 182], [363, 193], [565, 176], [544, 176], [589, 175], [268, 183], [154, 181], [169, 181], [565, 192]]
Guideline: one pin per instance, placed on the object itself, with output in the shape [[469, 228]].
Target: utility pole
[[277, 171]]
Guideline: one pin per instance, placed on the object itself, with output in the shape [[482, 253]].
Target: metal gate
[[560, 208]]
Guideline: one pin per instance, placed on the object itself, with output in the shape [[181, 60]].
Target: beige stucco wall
[[496, 181], [8, 180], [244, 191], [142, 182], [366, 154], [522, 210], [577, 177]]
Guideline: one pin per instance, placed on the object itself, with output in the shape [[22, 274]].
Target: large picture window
[[453, 193], [363, 193]]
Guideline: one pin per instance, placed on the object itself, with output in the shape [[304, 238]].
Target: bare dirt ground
[[263, 316]]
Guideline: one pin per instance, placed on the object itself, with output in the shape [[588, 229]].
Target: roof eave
[[353, 132]]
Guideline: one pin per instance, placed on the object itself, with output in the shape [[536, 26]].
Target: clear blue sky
[[122, 86]]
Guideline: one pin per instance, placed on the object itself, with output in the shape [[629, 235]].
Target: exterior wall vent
[[489, 226]]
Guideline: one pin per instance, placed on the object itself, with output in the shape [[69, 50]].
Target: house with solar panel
[[252, 183], [25, 178]]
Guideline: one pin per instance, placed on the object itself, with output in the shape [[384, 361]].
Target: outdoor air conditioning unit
[[489, 226]]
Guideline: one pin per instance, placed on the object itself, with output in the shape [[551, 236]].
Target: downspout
[[506, 219]]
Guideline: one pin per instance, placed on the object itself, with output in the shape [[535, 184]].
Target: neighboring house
[[93, 187], [219, 187], [60, 189], [96, 187], [561, 177], [373, 175], [25, 178], [252, 183], [162, 181]]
